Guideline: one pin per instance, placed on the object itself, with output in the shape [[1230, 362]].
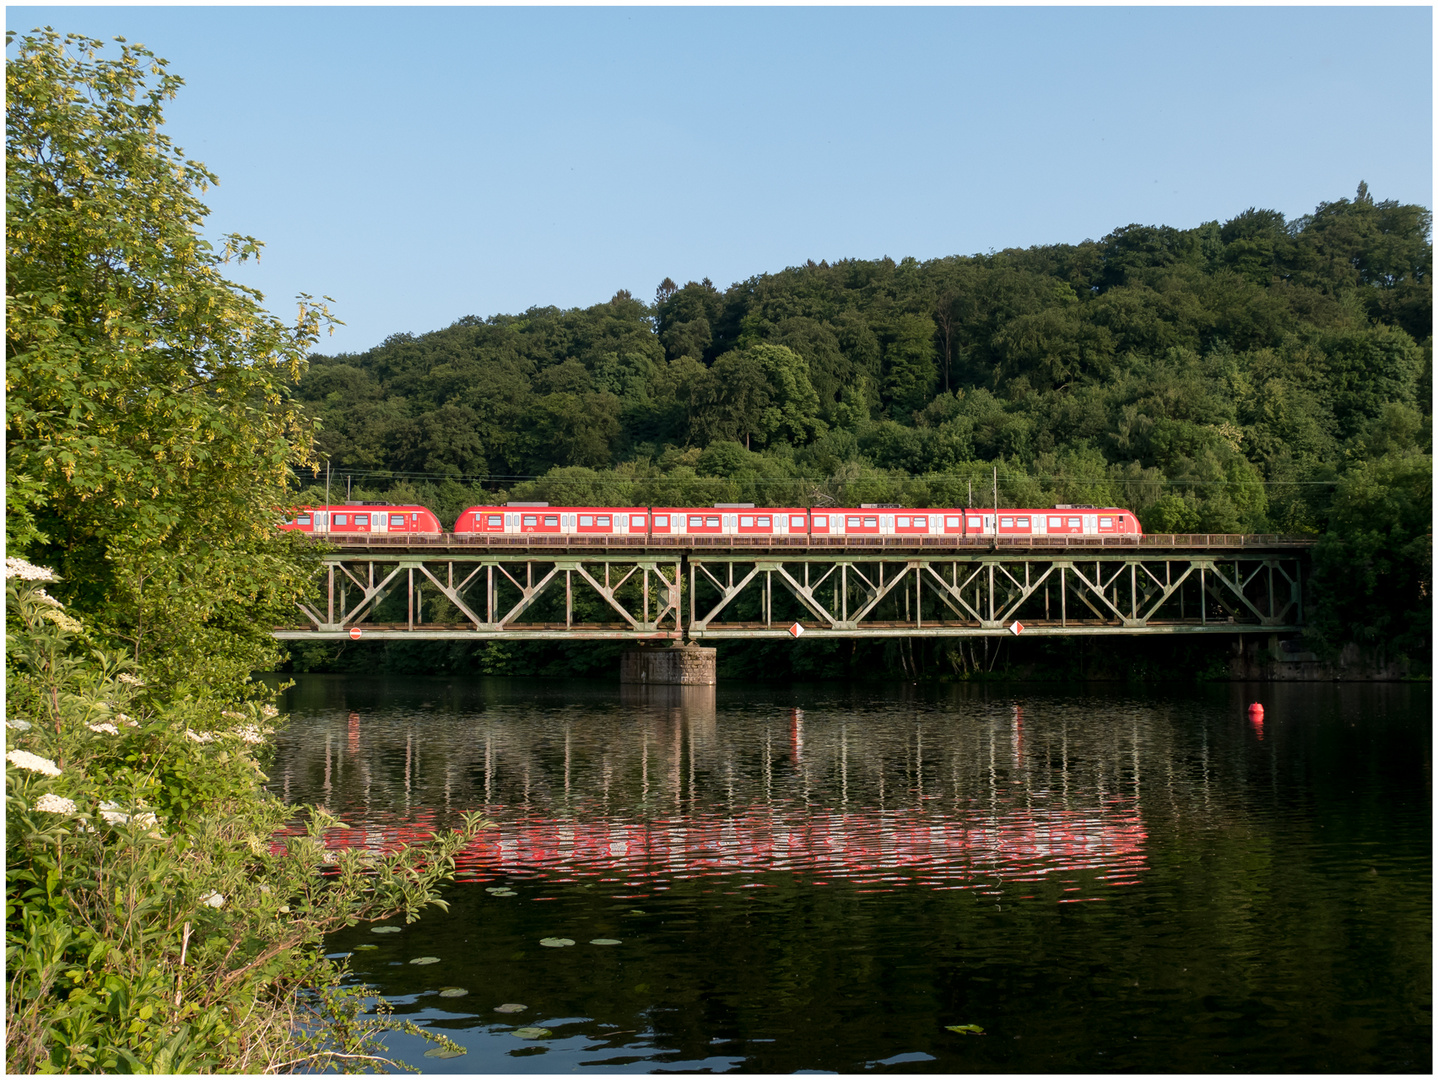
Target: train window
[[605, 521], [696, 522], [1023, 523], [746, 522], [796, 521], [362, 519], [711, 523], [821, 521], [1006, 523], [902, 523], [495, 521], [586, 519], [766, 522], [975, 523], [1105, 523], [636, 521], [303, 519], [953, 523], [871, 523], [396, 520], [531, 519], [551, 521], [342, 519], [851, 523], [921, 523], [1075, 523], [661, 521]]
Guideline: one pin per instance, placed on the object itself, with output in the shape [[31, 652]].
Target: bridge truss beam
[[711, 594]]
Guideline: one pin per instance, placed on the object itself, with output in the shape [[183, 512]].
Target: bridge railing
[[533, 541]]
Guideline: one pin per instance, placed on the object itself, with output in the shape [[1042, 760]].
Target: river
[[886, 877]]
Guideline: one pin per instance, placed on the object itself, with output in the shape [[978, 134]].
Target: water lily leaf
[[635, 911], [425, 960], [366, 945], [510, 1008], [443, 1052], [965, 1029], [531, 1033], [453, 992], [605, 941], [556, 942], [385, 929]]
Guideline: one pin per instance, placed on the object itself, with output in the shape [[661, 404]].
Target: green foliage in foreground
[[152, 925], [151, 437]]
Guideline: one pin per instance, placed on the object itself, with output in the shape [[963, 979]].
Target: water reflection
[[652, 788], [807, 879]]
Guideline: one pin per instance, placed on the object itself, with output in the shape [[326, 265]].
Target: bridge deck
[[1156, 543]]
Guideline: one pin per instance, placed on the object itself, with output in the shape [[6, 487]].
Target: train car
[[363, 518], [744, 519]]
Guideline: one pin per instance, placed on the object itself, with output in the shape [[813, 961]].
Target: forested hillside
[[1257, 375]]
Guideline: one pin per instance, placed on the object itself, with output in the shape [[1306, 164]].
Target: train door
[[379, 521], [1090, 524], [322, 521], [730, 526]]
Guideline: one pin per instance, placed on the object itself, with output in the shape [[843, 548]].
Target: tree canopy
[[151, 429]]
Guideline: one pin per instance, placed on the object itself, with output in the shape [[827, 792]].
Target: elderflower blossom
[[42, 595], [126, 720], [113, 815], [19, 568], [60, 619], [23, 759], [269, 712], [55, 804], [213, 899], [107, 729], [233, 715], [250, 734], [199, 736], [18, 725], [131, 680]]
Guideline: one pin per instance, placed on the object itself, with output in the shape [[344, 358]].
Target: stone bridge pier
[[672, 665]]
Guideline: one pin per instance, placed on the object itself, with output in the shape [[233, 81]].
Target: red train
[[723, 519]]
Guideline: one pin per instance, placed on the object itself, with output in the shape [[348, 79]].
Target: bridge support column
[[682, 665]]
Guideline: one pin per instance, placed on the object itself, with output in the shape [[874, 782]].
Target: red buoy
[[1255, 711]]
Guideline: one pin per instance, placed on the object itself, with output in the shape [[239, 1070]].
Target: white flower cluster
[[23, 759], [106, 729], [18, 725], [250, 734], [54, 804], [269, 712], [213, 899], [112, 813], [130, 680], [19, 568], [233, 715], [199, 736], [41, 594]]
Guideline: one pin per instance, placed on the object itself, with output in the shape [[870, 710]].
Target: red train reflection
[[901, 846]]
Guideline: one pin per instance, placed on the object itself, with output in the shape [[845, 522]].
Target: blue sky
[[422, 164]]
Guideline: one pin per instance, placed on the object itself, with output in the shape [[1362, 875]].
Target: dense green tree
[[151, 433]]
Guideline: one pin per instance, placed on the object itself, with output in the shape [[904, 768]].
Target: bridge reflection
[[653, 787]]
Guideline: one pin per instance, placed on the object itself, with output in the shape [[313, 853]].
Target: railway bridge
[[701, 589]]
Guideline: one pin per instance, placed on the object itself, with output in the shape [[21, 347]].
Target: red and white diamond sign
[[796, 630], [1017, 628]]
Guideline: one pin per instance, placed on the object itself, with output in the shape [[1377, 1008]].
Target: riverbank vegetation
[[153, 921]]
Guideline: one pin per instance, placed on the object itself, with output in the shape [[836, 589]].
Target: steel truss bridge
[[697, 589]]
